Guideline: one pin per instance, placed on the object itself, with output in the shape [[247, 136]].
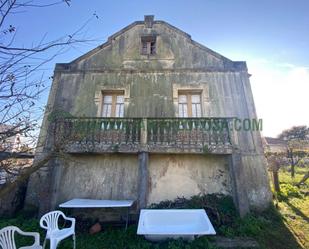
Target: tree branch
[[25, 174]]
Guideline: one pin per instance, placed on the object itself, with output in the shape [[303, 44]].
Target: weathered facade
[[141, 104]]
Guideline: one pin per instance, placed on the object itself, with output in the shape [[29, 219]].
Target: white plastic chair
[[49, 222], [7, 238]]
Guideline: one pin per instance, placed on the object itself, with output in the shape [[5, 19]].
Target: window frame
[[114, 95], [151, 45], [189, 94]]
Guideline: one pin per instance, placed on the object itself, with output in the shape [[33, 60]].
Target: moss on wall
[[149, 83], [99, 177], [173, 176]]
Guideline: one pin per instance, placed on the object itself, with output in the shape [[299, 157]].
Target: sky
[[271, 36]]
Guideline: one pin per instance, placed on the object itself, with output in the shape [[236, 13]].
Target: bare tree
[[297, 139], [22, 83], [275, 161]]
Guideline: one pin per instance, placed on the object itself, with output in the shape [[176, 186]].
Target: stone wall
[[13, 201], [172, 176], [114, 176], [111, 176]]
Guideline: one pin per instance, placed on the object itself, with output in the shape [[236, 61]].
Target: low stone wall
[[13, 201]]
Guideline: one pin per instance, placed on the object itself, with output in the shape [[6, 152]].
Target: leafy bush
[[219, 208]]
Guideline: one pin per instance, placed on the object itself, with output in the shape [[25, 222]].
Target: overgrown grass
[[285, 176], [110, 238], [268, 228], [284, 227], [293, 205]]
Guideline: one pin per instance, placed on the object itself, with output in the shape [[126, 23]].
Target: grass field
[[283, 226], [294, 206]]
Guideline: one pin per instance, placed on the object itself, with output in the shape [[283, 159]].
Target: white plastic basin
[[161, 224]]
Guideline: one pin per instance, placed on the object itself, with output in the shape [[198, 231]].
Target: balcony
[[155, 135]]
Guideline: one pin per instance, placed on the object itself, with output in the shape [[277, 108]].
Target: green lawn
[[284, 226]]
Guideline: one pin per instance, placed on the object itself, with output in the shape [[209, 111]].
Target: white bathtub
[[161, 224]]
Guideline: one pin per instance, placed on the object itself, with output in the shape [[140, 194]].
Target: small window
[[189, 105], [148, 45], [113, 104]]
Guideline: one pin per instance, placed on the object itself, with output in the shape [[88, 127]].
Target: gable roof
[[120, 32], [272, 140]]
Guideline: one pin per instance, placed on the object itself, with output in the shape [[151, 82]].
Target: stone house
[[275, 145], [9, 144], [142, 105]]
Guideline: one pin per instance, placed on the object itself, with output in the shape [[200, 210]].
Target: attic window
[[148, 45]]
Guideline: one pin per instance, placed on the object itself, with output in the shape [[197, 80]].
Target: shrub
[[219, 208]]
